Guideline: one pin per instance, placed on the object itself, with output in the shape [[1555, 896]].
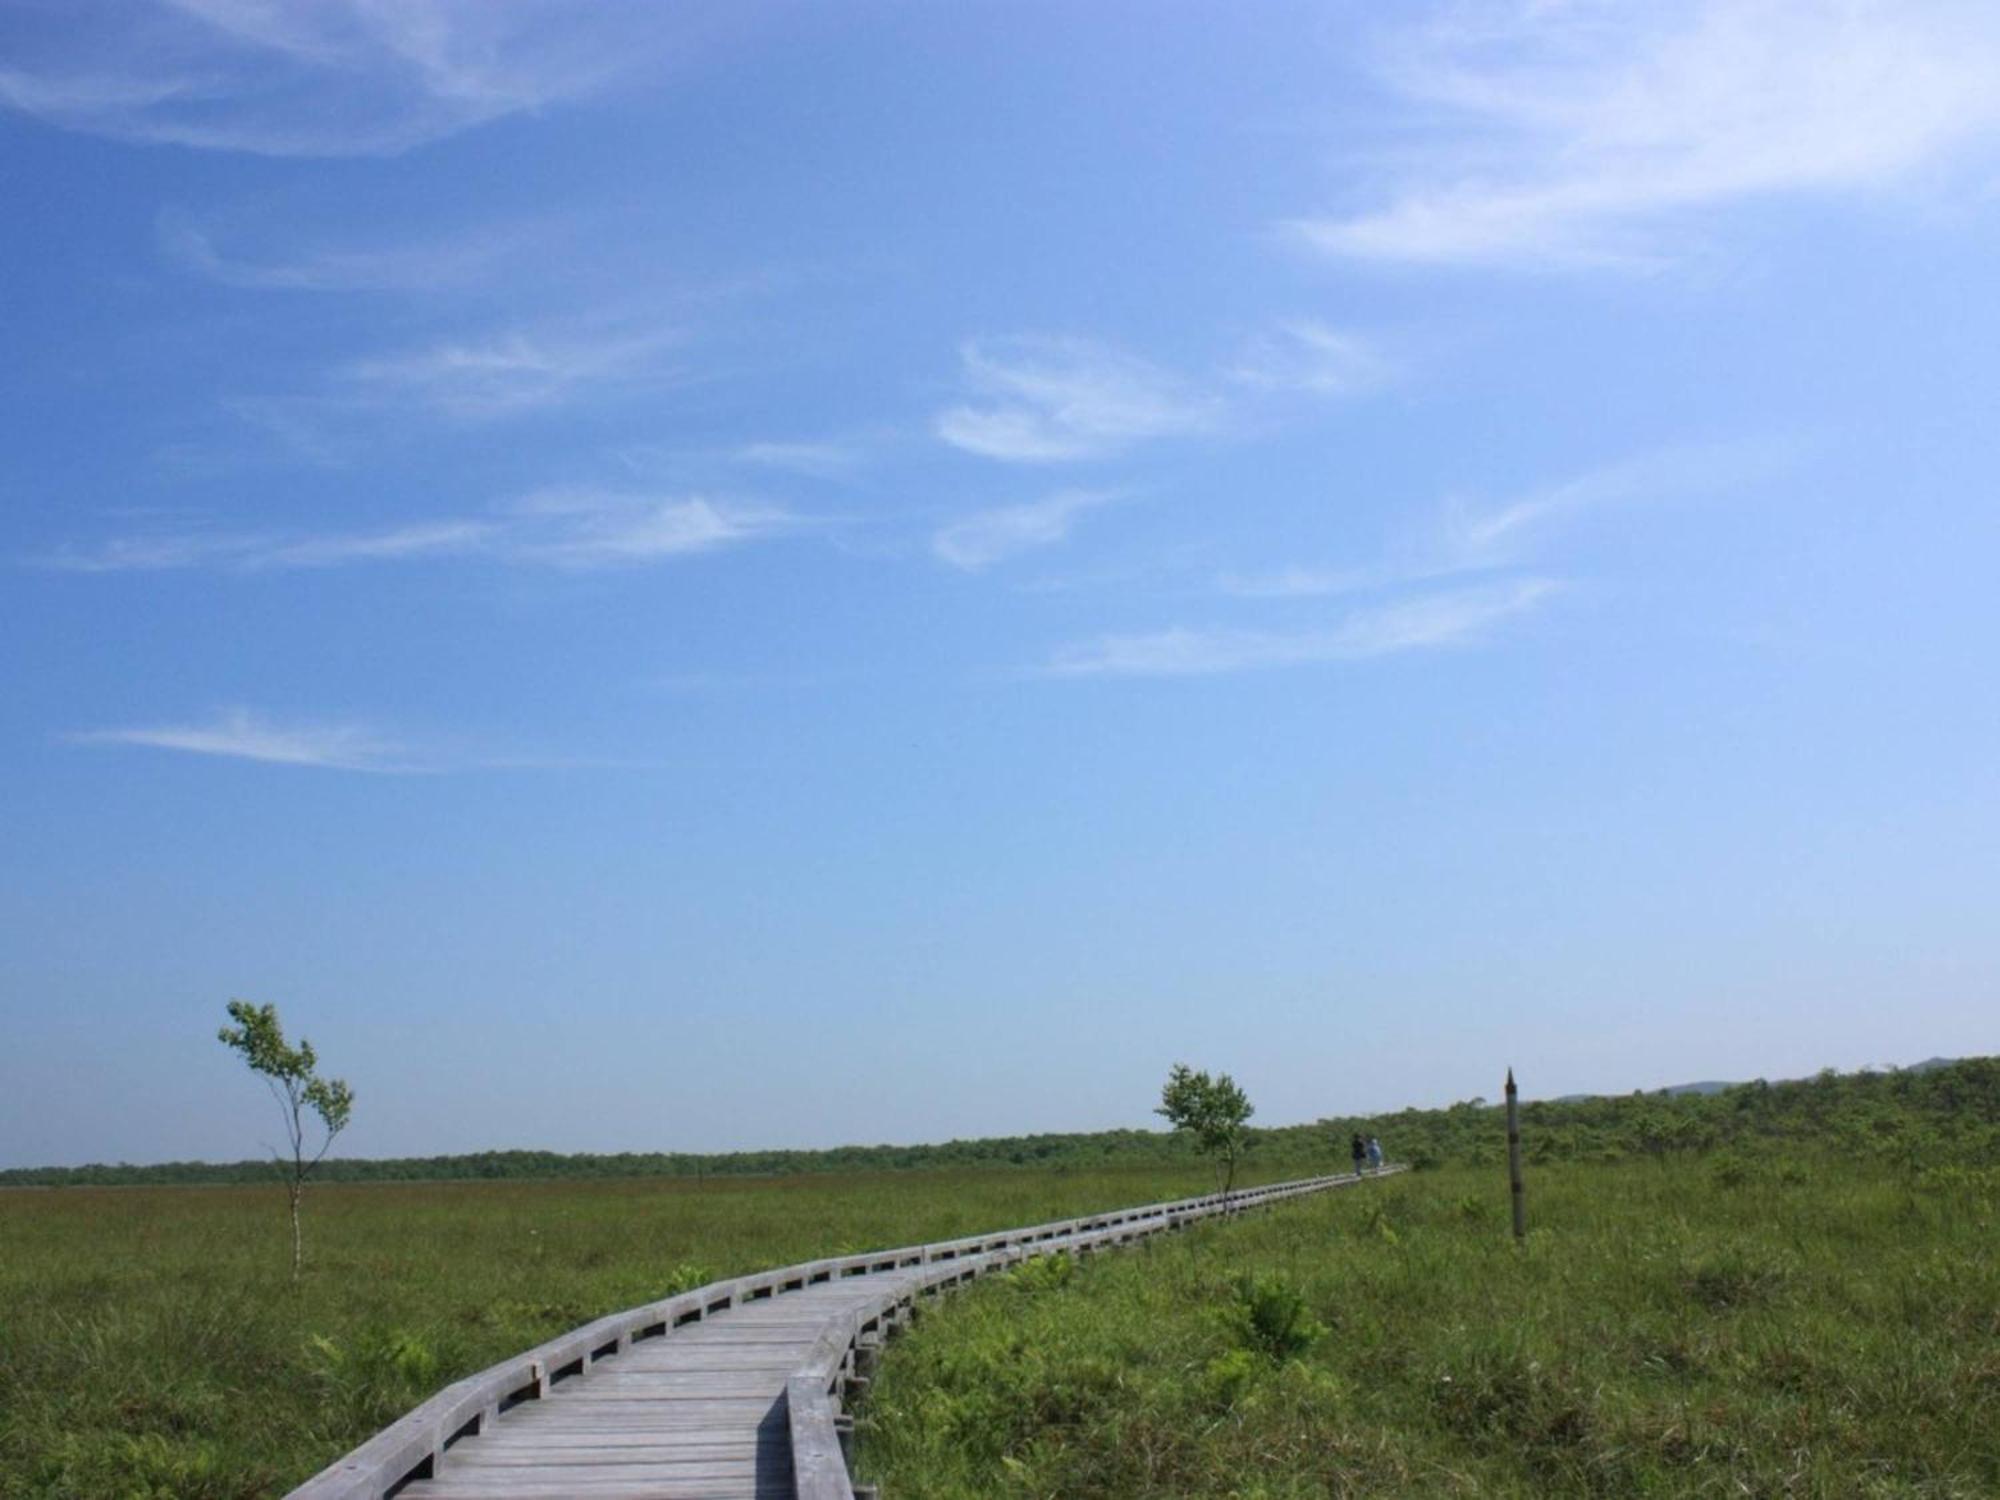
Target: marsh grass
[[1790, 1327], [152, 1344], [1727, 1323]]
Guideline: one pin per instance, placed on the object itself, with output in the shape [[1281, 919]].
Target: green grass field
[[1696, 1328], [1790, 1289], [152, 1345]]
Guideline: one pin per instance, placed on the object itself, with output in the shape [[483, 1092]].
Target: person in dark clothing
[[1360, 1153]]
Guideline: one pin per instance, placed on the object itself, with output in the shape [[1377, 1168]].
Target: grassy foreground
[[1711, 1305], [1696, 1328], [153, 1346]]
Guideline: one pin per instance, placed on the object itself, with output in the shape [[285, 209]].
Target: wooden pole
[[1514, 1158]]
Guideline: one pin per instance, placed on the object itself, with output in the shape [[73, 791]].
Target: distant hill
[[1717, 1086]]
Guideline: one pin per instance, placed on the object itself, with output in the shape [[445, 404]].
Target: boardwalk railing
[[412, 1449]]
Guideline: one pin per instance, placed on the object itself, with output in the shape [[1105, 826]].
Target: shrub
[[1729, 1172], [685, 1277], [1271, 1316], [377, 1374], [1229, 1375], [1045, 1273]]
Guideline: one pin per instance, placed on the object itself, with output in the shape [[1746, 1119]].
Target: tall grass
[[1742, 1323], [152, 1345], [1761, 1329]]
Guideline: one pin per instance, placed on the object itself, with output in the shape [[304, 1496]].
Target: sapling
[[1212, 1110], [293, 1077]]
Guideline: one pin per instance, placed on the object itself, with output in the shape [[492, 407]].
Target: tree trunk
[[298, 1244]]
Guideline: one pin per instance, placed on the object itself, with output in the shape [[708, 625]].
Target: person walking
[[1360, 1148], [1374, 1153]]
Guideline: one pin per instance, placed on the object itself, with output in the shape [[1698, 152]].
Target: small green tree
[[1212, 1110], [291, 1073]]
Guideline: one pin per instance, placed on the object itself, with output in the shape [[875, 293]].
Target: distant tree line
[[1944, 1114], [1101, 1148]]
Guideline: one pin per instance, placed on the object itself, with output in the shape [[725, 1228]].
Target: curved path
[[728, 1392]]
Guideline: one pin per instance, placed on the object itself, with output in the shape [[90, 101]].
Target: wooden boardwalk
[[729, 1392], [701, 1415]]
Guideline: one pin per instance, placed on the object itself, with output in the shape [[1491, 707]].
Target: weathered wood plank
[[742, 1478], [707, 1456], [773, 1487], [819, 1468], [633, 1449]]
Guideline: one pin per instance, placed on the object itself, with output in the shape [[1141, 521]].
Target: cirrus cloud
[[313, 77], [1430, 621], [989, 536], [408, 267], [239, 734], [510, 373], [576, 529], [1592, 129], [1051, 400]]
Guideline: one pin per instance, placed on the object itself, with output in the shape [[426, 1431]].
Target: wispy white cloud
[[1472, 536], [1311, 358], [989, 536], [143, 553], [1051, 400], [1592, 127], [319, 77], [1426, 622], [399, 268], [1047, 400], [573, 529], [584, 529], [422, 539], [595, 362], [242, 735], [1464, 535], [514, 372], [1467, 538]]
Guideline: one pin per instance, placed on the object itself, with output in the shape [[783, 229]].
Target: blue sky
[[710, 576]]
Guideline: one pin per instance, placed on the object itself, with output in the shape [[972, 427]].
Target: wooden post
[[1514, 1158]]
